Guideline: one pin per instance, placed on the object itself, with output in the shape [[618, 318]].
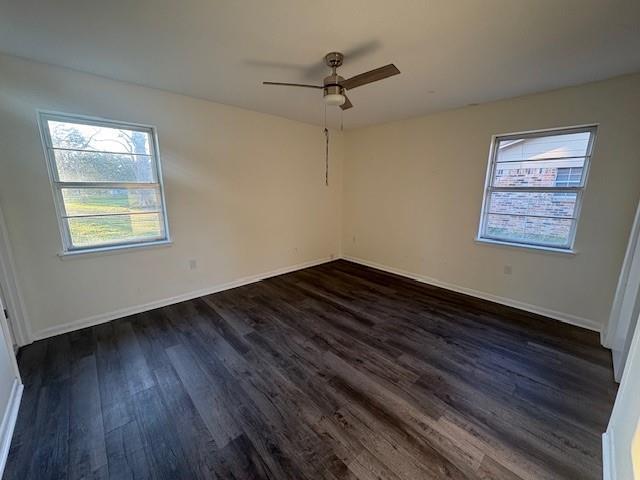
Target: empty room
[[284, 239]]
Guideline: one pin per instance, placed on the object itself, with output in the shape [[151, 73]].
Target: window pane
[[550, 146], [569, 177], [548, 173], [114, 229], [79, 136], [97, 201], [74, 166], [548, 204], [541, 231]]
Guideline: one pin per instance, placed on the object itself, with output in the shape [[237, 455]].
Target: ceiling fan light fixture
[[335, 99]]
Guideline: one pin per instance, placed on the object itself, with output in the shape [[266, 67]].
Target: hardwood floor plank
[[244, 413], [281, 406], [230, 312], [206, 400], [115, 397], [137, 373], [190, 431], [395, 421], [126, 456], [159, 435], [154, 335], [244, 461], [87, 455], [366, 466], [57, 361], [395, 457], [492, 470], [50, 457]]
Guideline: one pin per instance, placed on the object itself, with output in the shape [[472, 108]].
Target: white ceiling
[[451, 52]]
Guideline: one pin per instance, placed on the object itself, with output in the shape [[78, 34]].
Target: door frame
[[623, 317], [9, 416], [4, 326], [11, 293]]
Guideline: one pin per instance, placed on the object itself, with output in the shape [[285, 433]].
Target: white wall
[[622, 439], [245, 195], [413, 192]]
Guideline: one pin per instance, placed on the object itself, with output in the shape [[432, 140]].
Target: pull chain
[[326, 151], [326, 157]]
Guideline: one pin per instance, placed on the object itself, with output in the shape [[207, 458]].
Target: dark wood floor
[[336, 372]]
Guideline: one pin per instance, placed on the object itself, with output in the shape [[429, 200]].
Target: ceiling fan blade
[[371, 76], [347, 103], [293, 84]]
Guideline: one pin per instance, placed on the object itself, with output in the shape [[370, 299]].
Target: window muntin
[[534, 187], [107, 182]]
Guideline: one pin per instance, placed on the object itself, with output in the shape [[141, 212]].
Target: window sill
[[92, 252], [527, 247]]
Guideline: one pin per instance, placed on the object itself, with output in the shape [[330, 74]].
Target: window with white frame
[[534, 187], [107, 182]]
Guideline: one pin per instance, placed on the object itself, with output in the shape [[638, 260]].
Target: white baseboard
[[563, 317], [9, 422], [125, 312], [608, 465]]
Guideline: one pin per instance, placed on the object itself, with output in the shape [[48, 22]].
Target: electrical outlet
[[507, 270], [193, 264]]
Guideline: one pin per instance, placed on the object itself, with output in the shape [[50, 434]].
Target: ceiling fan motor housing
[[332, 85]]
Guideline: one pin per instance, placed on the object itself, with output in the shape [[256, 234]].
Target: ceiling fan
[[334, 86]]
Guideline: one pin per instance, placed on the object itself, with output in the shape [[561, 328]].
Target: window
[[106, 180], [534, 187]]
